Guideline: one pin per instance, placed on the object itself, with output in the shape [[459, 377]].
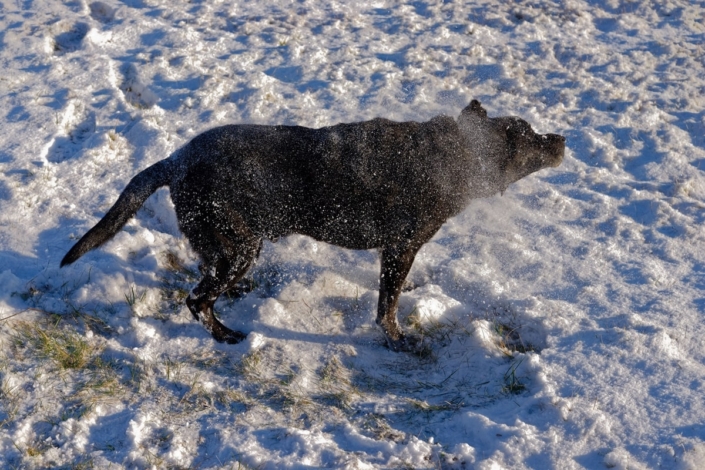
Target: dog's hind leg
[[221, 275], [227, 248], [240, 286]]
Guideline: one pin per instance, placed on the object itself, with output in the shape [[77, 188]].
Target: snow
[[564, 318]]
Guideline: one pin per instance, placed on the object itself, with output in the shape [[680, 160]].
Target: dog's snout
[[556, 146]]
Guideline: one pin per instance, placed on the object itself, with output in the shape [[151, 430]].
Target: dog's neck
[[487, 154]]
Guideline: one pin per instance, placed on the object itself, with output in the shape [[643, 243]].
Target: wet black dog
[[374, 184]]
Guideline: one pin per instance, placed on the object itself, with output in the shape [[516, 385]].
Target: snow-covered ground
[[565, 318]]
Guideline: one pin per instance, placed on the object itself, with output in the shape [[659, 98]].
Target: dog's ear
[[474, 108]]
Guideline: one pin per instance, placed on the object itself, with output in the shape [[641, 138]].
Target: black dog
[[373, 184]]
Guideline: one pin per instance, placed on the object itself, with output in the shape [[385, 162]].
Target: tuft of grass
[[510, 340], [287, 378], [229, 396], [334, 373], [342, 398], [413, 321], [335, 379], [173, 264], [36, 449], [511, 381], [66, 348], [249, 365], [132, 298], [422, 405], [208, 359], [104, 380], [9, 402], [292, 400], [197, 399], [138, 375], [172, 369], [379, 428]]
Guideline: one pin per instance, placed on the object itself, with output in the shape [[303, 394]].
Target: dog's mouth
[[549, 154], [555, 148]]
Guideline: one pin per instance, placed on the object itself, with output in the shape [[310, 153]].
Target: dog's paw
[[226, 335], [407, 343]]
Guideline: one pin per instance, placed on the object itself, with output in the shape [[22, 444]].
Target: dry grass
[[66, 348]]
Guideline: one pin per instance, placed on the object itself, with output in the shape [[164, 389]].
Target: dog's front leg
[[396, 264]]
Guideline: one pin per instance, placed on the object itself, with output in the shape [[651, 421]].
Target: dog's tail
[[131, 199]]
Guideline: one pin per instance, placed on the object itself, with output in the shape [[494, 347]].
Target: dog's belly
[[347, 233], [347, 230], [360, 226]]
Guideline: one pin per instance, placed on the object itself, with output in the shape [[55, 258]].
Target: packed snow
[[564, 319]]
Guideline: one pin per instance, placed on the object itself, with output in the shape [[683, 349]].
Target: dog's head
[[510, 143]]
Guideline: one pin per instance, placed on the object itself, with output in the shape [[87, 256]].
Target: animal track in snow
[[69, 37], [102, 12], [136, 93], [75, 127]]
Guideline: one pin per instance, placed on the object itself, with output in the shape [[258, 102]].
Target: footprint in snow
[[136, 93], [102, 12], [70, 38], [78, 125]]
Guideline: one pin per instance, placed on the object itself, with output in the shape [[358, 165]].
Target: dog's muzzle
[[555, 147]]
